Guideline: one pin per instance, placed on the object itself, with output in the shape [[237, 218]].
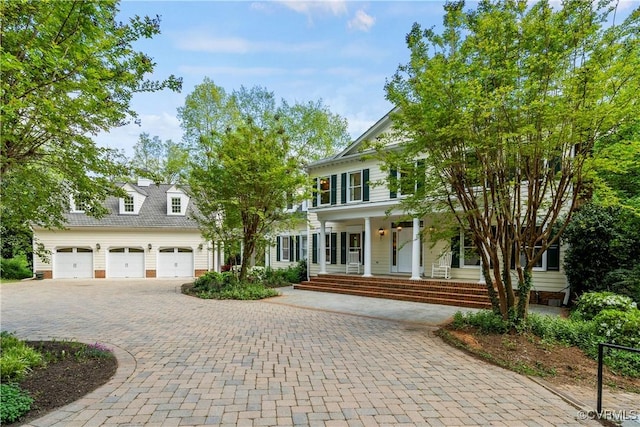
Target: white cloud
[[333, 7], [233, 71], [198, 41], [164, 125], [362, 21]]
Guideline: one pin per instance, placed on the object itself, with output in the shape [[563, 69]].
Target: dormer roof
[[152, 212]]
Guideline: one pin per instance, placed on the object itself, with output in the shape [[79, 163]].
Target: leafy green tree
[[160, 161], [505, 106], [604, 250], [68, 71], [616, 166], [248, 159]]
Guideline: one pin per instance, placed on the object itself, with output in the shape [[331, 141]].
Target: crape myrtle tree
[[248, 157], [505, 106], [68, 71]]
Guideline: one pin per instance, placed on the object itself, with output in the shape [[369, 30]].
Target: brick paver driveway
[[185, 361]]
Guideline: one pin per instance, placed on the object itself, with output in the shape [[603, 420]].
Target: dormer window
[[129, 206], [177, 201], [79, 204], [176, 205]]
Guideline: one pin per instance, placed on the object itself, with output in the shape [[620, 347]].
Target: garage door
[[125, 262], [175, 262], [73, 263]]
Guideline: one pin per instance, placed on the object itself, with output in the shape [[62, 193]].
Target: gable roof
[[353, 149], [153, 213]]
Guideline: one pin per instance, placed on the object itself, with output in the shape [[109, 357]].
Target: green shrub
[[590, 304], [619, 327], [213, 281], [624, 282], [285, 276], [16, 358], [622, 362], [14, 403], [486, 321], [567, 331], [15, 268], [239, 291]]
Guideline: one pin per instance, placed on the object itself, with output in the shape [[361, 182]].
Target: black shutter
[[365, 185], [362, 249], [314, 248], [314, 193], [393, 181], [334, 243], [343, 188], [420, 175], [291, 256], [343, 247], [455, 252], [297, 248], [333, 189], [553, 257], [278, 248]]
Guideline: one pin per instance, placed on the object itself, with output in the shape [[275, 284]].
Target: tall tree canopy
[[68, 71], [249, 154], [505, 106], [161, 161]]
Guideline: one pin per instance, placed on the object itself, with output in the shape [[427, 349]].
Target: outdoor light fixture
[[399, 228], [200, 246], [381, 232], [97, 246], [149, 246]]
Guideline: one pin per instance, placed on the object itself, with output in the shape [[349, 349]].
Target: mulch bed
[[65, 379]]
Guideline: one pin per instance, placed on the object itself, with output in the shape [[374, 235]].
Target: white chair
[[442, 267], [353, 260]]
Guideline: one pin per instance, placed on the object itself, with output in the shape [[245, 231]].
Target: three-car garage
[[123, 262]]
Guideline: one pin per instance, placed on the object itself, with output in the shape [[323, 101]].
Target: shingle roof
[[153, 213]]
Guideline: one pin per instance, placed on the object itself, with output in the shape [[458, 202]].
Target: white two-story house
[[147, 233], [358, 228]]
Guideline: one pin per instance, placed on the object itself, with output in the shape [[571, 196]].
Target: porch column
[[415, 250], [367, 247], [322, 250]]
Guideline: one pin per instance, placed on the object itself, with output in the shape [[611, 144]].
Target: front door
[[402, 248]]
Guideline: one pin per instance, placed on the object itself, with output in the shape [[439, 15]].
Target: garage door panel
[[175, 262], [125, 263], [72, 263]]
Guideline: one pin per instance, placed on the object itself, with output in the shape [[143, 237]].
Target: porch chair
[[353, 260], [442, 267]]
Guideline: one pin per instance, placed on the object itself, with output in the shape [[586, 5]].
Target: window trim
[[131, 204], [284, 241], [351, 187], [327, 191], [177, 205]]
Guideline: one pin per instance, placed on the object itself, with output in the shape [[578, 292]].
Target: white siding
[[107, 239]]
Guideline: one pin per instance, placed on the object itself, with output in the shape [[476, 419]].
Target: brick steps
[[442, 292]]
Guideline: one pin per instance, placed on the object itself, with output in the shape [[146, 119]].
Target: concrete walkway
[[280, 362]]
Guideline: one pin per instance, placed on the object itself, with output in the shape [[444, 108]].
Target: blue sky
[[337, 51]]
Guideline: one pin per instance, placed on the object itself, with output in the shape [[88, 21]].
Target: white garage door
[[175, 262], [73, 263], [125, 262]]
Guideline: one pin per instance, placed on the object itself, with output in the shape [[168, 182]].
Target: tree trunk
[[524, 286]]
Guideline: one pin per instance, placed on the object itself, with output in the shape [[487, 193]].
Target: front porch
[[458, 293]]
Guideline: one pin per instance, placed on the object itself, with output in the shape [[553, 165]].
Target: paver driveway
[[185, 361]]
